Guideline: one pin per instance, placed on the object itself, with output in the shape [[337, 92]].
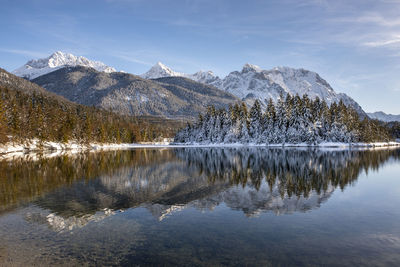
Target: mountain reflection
[[78, 189]]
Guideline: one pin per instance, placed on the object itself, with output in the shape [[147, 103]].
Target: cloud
[[33, 54], [370, 18], [377, 26], [130, 58], [378, 19], [395, 40]]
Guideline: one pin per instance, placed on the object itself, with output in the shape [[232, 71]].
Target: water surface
[[202, 207]]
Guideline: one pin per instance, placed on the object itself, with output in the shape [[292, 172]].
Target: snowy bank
[[320, 145], [53, 149], [35, 145]]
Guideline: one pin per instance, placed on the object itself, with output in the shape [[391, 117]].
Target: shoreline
[[34, 146], [289, 145]]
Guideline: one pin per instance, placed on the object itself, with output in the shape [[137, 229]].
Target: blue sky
[[354, 45]]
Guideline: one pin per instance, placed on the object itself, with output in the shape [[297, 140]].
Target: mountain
[[37, 67], [252, 83], [382, 116], [174, 97], [9, 80], [29, 111], [160, 70], [207, 77]]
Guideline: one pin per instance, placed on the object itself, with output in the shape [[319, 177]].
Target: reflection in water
[[281, 180], [22, 180], [100, 208], [76, 190]]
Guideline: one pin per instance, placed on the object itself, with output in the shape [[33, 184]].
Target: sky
[[354, 45]]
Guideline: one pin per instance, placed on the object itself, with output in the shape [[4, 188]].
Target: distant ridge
[[252, 83], [37, 67], [382, 116], [248, 84], [173, 97]]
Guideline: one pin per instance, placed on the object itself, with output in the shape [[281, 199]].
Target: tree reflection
[[252, 180], [296, 171], [24, 179]]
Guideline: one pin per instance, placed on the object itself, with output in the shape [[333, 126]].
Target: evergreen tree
[[291, 120], [3, 123], [255, 120]]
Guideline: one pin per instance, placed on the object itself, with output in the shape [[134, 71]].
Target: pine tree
[[3, 123], [255, 120], [281, 121], [296, 122]]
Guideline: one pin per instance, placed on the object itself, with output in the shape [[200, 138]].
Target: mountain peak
[[37, 67], [250, 67], [161, 65], [208, 72], [59, 54], [160, 70]]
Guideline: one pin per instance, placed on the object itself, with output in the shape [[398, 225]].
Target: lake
[[202, 207]]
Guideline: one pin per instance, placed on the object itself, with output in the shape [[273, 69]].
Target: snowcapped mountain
[[253, 83], [207, 77], [264, 84], [382, 116], [159, 70], [37, 67]]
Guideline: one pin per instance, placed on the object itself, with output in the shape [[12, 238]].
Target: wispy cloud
[[378, 19], [132, 59], [33, 54], [394, 41], [375, 27], [368, 18]]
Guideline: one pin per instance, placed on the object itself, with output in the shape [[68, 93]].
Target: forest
[[35, 114], [291, 120], [394, 128]]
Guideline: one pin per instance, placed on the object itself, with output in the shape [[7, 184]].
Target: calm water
[[202, 207]]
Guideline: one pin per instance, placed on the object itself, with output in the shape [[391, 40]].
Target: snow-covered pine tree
[[296, 123], [255, 117], [269, 124], [309, 130], [281, 120]]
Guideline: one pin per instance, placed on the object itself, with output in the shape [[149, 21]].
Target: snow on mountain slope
[[382, 116], [159, 70], [252, 83], [37, 67], [207, 77]]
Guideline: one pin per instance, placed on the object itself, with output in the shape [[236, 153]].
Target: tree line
[[24, 116], [292, 119]]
